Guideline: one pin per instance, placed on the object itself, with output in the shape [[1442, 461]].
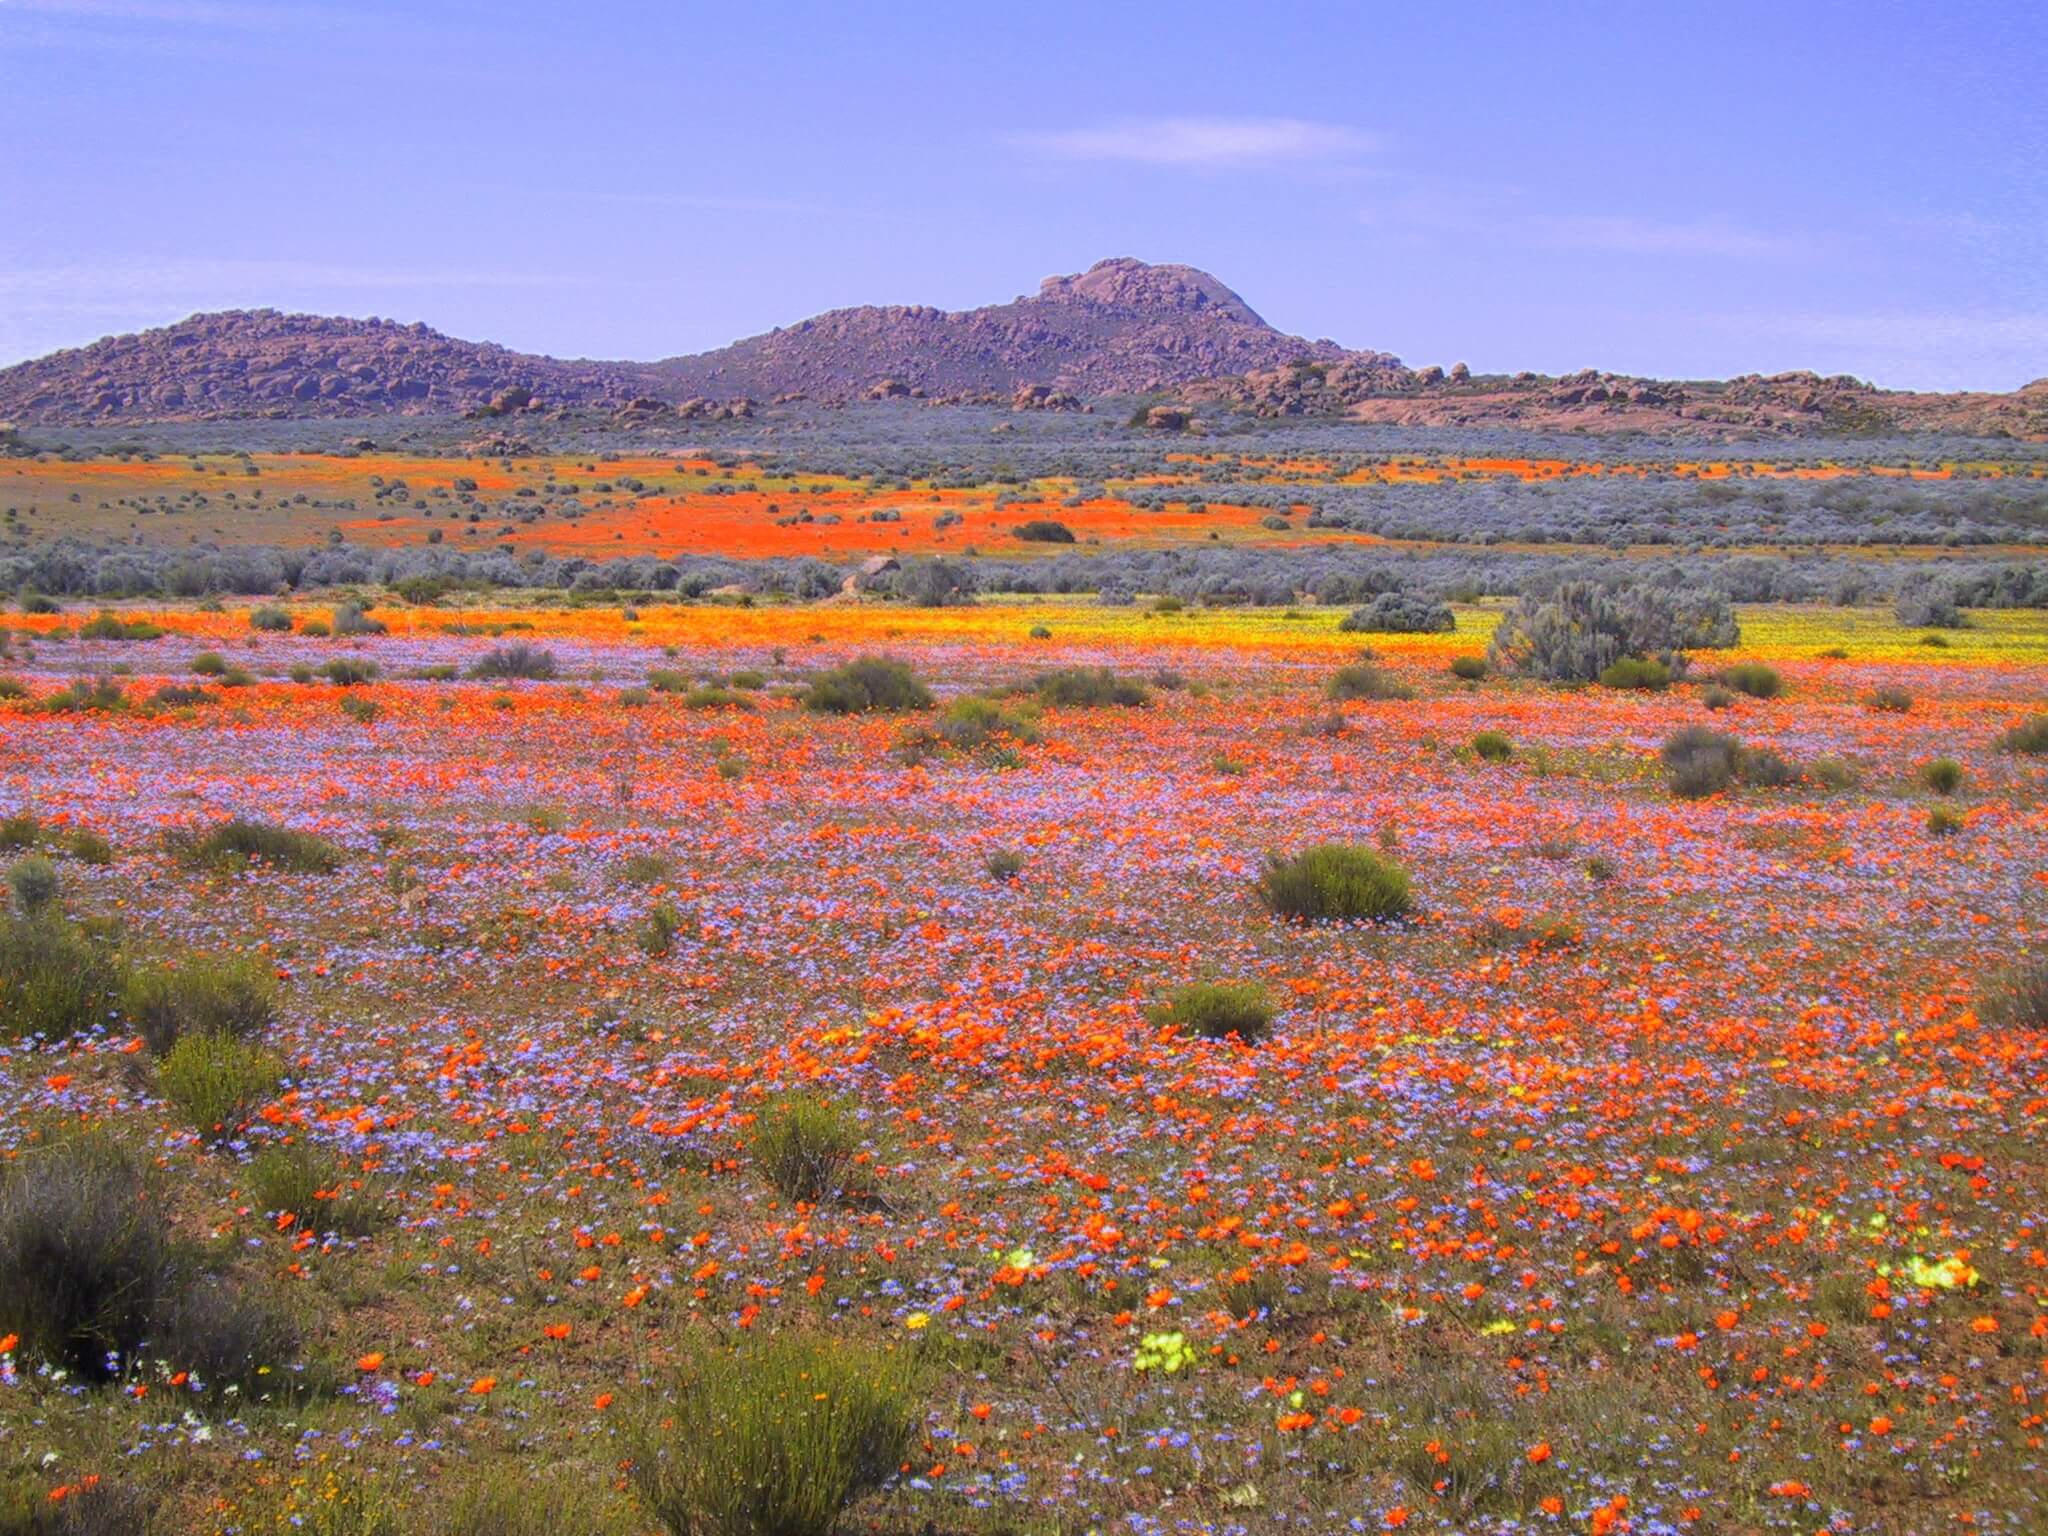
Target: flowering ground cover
[[1660, 1169]]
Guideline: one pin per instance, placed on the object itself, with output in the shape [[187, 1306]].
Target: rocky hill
[[1122, 328]]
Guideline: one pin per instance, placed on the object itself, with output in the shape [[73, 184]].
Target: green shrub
[[1542, 930], [88, 847], [1833, 773], [1400, 613], [1218, 1010], [776, 1437], [107, 626], [85, 1255], [1469, 668], [807, 1148], [1767, 769], [20, 831], [304, 1182], [518, 659], [1362, 681], [1334, 881], [1942, 775], [1943, 822], [1642, 673], [1493, 746], [55, 981], [209, 664], [351, 619], [237, 844], [234, 1341], [1700, 762], [1891, 701], [1043, 530], [33, 881], [973, 725], [1003, 865], [1754, 679], [1090, 688], [867, 685], [235, 997], [2016, 997], [270, 619], [103, 696], [315, 629], [361, 710], [1714, 696], [349, 671], [1574, 634], [714, 697], [218, 1082], [658, 932], [2030, 737]]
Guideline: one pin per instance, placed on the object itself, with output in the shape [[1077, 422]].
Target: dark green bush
[[868, 685], [974, 725], [2030, 737], [1943, 822], [1362, 681], [1891, 701], [234, 1341], [107, 626], [1333, 881], [19, 831], [1400, 613], [1699, 761], [55, 981], [776, 1437], [1003, 865], [517, 660], [1044, 530], [270, 619], [1942, 775], [209, 664], [1574, 634], [1754, 679], [1090, 688], [1767, 769], [234, 845], [85, 1255], [1493, 746], [33, 881], [1469, 668], [1218, 1010], [349, 671], [1716, 697], [1642, 673], [230, 997], [218, 1082]]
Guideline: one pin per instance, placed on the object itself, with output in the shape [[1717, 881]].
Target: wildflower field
[[550, 1038]]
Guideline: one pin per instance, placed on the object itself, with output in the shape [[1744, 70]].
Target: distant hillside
[[1122, 328]]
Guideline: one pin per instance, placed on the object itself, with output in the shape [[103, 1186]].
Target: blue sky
[[1669, 188]]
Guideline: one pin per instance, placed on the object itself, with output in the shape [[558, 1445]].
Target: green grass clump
[[234, 845], [1468, 669], [716, 696], [1754, 679], [271, 619], [217, 1082], [776, 1437], [517, 660], [349, 671], [19, 831], [1888, 701], [1090, 688], [85, 1255], [973, 725], [1493, 746], [1942, 775], [868, 685], [1700, 762], [2016, 997], [1218, 1011], [1639, 673], [33, 883], [108, 626], [235, 997], [88, 847], [646, 868], [1943, 822], [1364, 682], [1003, 864], [2029, 737], [304, 1182], [808, 1148], [55, 980], [1334, 881]]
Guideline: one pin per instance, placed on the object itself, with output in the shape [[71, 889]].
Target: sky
[[1676, 189]]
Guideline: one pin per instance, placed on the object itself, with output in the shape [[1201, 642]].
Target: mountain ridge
[[1122, 328]]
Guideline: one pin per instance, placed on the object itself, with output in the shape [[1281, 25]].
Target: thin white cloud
[[86, 285], [1207, 143], [1501, 217]]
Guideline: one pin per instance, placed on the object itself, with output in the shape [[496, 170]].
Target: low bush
[[1943, 822], [88, 846], [517, 660], [33, 882], [807, 1148], [85, 1256], [1527, 930], [1468, 668], [305, 1183], [349, 671], [973, 725], [92, 1507], [776, 1437], [868, 685], [351, 619], [1363, 682], [1714, 696], [1218, 1011], [1890, 701], [1640, 673], [1400, 613], [19, 831], [1090, 688], [1003, 865], [1754, 679], [1767, 769], [1044, 530], [231, 1340], [714, 697], [108, 626], [2029, 737], [235, 997], [657, 935], [646, 868], [1699, 761], [237, 844], [55, 980], [1334, 881], [2016, 997], [209, 664], [1493, 746], [270, 620], [217, 1082], [1942, 775]]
